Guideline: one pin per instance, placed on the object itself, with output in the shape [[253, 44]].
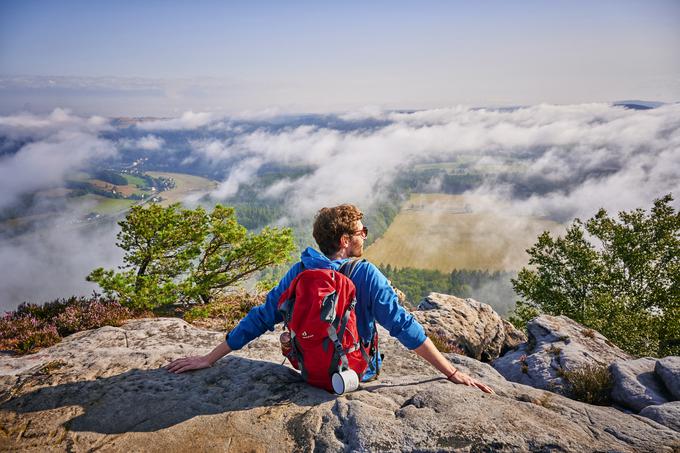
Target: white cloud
[[57, 144], [150, 143], [54, 261], [585, 155], [213, 150], [368, 112], [241, 173], [29, 126]]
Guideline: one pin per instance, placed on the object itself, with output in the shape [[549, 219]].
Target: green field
[[467, 164], [112, 205], [185, 185], [102, 205], [447, 166], [134, 180], [446, 232]]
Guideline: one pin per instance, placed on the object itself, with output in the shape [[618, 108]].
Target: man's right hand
[[188, 364], [461, 378], [198, 362]]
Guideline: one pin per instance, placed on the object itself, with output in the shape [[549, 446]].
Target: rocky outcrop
[[556, 344], [668, 370], [667, 414], [105, 390], [473, 326], [647, 385], [636, 386]]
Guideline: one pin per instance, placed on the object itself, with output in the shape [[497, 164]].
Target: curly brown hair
[[331, 223]]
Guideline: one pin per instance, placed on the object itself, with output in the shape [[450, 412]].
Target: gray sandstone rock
[[105, 390], [668, 369], [636, 386], [667, 414], [472, 325], [556, 344]]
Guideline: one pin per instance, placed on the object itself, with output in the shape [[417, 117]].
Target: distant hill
[[639, 105]]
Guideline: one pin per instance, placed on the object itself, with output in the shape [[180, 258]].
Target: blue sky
[[162, 58]]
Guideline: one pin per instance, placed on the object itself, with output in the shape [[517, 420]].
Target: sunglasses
[[363, 232]]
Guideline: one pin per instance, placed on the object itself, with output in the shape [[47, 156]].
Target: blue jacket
[[376, 301]]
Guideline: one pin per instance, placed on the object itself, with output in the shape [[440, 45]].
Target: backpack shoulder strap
[[348, 266]]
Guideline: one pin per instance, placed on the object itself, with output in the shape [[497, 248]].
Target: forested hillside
[[493, 288]]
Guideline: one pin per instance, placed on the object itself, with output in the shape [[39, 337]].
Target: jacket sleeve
[[388, 311], [263, 317]]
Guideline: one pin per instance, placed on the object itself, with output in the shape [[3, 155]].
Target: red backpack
[[318, 309]]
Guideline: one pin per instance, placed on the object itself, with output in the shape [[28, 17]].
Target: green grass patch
[[135, 180], [469, 164], [590, 384], [447, 166], [113, 205], [100, 204]]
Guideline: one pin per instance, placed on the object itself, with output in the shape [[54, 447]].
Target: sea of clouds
[[582, 156]]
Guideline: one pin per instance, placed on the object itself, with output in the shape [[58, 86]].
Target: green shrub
[[590, 383], [266, 285], [187, 255], [198, 312], [619, 277], [230, 308]]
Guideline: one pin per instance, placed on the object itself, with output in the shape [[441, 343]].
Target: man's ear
[[344, 241]]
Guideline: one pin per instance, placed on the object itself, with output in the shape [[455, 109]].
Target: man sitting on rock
[[340, 235]]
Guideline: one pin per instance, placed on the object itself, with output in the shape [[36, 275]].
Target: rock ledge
[[104, 389]]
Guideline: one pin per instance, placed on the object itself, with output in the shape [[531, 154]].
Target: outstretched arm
[[198, 362], [257, 321], [375, 287], [429, 352]]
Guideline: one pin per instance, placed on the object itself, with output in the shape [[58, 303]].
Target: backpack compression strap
[[335, 338], [347, 269]]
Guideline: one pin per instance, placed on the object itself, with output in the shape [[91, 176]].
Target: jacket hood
[[313, 259]]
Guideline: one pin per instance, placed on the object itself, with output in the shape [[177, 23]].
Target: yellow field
[[185, 185], [446, 232]]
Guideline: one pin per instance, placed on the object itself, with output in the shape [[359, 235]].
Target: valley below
[[445, 232]]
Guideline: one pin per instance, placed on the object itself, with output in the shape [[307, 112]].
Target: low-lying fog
[[573, 158]]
